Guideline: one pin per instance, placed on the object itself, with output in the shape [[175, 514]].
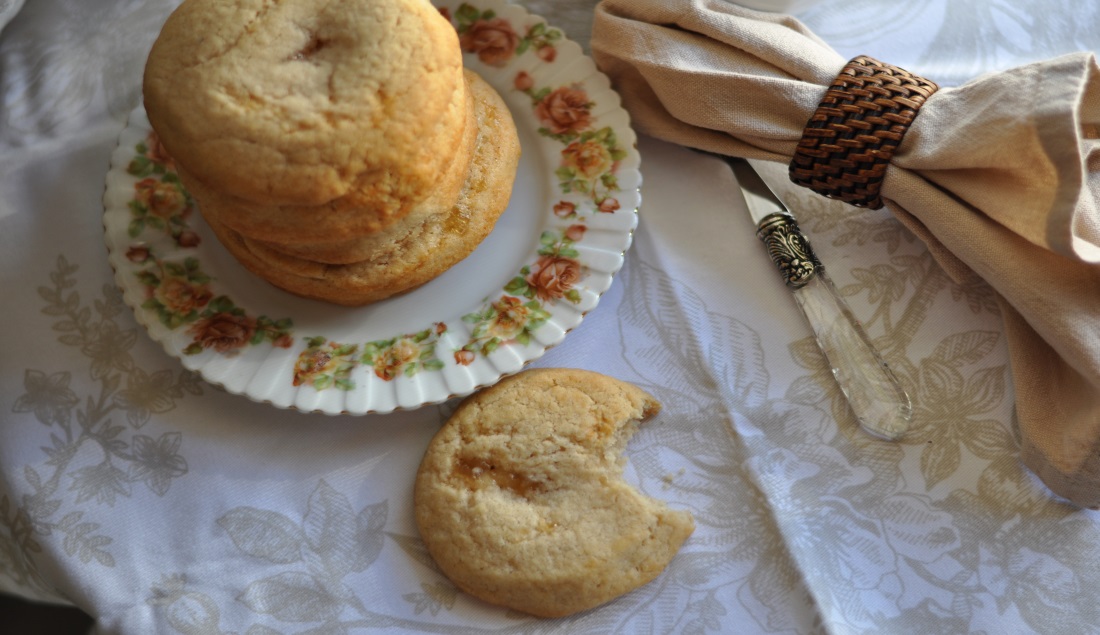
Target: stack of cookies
[[338, 150]]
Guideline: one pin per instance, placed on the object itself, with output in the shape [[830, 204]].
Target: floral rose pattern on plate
[[405, 355], [325, 364], [591, 155], [509, 319], [553, 275], [550, 278], [179, 292], [160, 202], [495, 41]]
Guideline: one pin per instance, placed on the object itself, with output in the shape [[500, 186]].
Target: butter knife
[[876, 397]]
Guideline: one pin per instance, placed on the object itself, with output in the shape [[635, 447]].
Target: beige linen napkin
[[1000, 176]]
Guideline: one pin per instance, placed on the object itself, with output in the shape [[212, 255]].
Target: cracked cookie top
[[307, 103]]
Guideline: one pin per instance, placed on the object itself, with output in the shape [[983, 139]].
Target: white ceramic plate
[[547, 262]]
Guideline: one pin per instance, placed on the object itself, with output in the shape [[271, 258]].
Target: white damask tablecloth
[[159, 504]]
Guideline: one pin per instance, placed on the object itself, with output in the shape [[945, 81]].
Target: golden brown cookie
[[298, 103], [340, 223], [414, 255], [441, 200], [520, 497]]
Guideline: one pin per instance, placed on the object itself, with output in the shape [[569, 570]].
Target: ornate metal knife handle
[[789, 249]]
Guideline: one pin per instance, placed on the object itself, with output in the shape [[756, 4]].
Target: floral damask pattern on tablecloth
[[87, 460]]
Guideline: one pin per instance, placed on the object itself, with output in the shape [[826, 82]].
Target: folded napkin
[[1000, 177]]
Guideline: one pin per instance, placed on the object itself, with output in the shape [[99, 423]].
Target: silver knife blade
[[758, 196], [874, 393]]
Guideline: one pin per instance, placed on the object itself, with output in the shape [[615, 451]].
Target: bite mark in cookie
[[521, 500]]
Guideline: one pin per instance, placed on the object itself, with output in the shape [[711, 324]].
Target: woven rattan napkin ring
[[851, 137]]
